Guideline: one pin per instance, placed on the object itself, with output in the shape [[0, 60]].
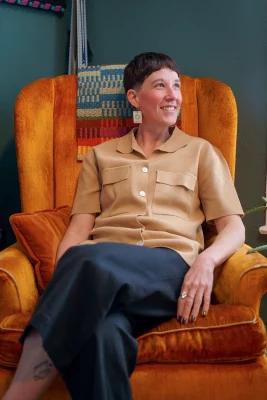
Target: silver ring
[[183, 295]]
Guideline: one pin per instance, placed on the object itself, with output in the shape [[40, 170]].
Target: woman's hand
[[198, 282], [196, 290]]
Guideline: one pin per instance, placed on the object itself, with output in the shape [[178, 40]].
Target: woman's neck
[[149, 138]]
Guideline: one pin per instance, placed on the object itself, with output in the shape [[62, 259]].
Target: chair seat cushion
[[230, 333]]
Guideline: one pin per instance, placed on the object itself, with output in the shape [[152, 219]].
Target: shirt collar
[[177, 140]]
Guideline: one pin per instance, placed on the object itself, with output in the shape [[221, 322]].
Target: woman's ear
[[132, 98]]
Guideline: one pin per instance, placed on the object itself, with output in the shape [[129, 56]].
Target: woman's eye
[[160, 85], [177, 85]]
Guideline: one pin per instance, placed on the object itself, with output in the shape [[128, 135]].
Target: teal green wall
[[225, 40], [32, 46]]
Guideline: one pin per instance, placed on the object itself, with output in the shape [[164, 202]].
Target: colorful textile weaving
[[47, 5], [103, 111]]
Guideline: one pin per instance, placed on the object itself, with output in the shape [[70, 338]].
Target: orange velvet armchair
[[217, 357]]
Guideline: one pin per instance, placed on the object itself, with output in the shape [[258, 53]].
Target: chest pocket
[[174, 194], [115, 192]]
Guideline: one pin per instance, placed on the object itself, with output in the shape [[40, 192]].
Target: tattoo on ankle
[[42, 370]]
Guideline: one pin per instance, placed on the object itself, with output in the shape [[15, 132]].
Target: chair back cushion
[[45, 132]]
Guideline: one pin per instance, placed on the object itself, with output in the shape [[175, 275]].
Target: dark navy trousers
[[100, 299]]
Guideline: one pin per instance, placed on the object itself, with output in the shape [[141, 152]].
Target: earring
[[137, 117]]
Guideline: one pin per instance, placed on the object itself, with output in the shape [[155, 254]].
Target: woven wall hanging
[[57, 6]]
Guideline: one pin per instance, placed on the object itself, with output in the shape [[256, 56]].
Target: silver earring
[[137, 117]]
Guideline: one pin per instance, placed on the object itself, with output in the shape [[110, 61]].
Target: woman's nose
[[171, 93]]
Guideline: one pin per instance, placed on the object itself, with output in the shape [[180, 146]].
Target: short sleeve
[[86, 200], [217, 192]]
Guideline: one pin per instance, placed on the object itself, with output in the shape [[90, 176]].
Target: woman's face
[[159, 98]]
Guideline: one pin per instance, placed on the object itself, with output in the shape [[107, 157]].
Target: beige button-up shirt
[[157, 202]]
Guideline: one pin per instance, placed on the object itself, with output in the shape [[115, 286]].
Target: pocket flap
[[177, 179], [113, 175]]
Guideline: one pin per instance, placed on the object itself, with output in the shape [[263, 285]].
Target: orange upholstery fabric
[[242, 279], [55, 120], [10, 331], [196, 361], [235, 381], [18, 291], [205, 341], [40, 234]]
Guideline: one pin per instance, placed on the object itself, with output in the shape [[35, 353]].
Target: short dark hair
[[144, 65]]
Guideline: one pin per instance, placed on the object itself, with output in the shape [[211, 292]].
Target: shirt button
[[142, 193], [140, 243], [144, 169]]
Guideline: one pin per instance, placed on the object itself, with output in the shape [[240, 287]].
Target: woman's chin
[[170, 121], [165, 122]]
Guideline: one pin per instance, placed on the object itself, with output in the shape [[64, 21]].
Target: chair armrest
[[18, 290], [242, 279]]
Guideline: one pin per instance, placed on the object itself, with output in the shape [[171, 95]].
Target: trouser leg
[[92, 282], [101, 371]]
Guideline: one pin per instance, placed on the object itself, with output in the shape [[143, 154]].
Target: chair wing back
[[45, 134]]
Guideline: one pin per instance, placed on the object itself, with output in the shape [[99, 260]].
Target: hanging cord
[[82, 34], [72, 56], [78, 47]]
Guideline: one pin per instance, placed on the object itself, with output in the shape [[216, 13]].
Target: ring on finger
[[191, 297], [183, 295]]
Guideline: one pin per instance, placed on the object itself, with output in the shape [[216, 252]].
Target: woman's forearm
[[77, 232], [228, 241], [67, 242]]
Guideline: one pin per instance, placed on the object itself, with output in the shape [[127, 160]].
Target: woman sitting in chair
[[141, 199]]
